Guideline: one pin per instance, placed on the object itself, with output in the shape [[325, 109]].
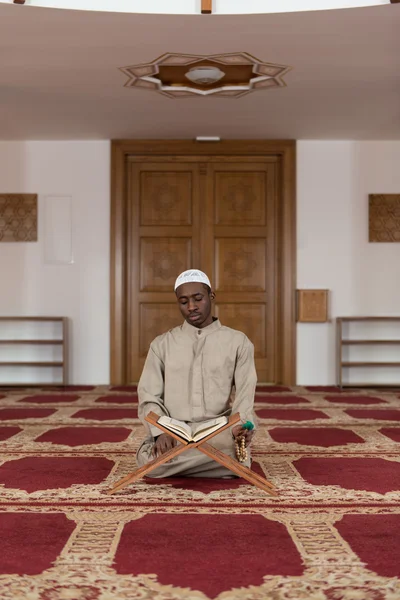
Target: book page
[[203, 429], [179, 427]]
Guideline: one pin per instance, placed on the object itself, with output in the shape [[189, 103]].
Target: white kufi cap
[[190, 276]]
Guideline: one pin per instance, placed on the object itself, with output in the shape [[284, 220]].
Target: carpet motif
[[329, 535]]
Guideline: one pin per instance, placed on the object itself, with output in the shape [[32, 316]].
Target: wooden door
[[218, 217], [227, 209], [240, 250]]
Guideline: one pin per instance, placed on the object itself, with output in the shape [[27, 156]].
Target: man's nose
[[191, 306]]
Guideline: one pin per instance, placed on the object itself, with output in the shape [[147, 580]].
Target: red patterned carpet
[[333, 532]]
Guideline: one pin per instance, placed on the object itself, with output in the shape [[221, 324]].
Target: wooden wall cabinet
[[312, 306]]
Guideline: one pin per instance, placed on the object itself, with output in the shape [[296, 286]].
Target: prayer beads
[[240, 449]]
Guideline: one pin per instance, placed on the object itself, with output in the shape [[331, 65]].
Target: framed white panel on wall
[[57, 221]]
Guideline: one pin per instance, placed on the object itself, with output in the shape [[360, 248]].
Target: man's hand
[[239, 432], [163, 443]]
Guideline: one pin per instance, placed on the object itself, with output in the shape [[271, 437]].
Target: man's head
[[194, 294]]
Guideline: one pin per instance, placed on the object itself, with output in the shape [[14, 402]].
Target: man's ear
[[212, 295]]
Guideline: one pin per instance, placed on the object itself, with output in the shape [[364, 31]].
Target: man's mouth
[[194, 316]]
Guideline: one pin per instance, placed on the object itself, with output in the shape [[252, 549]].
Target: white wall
[[80, 290], [333, 183]]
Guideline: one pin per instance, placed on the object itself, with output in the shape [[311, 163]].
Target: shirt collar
[[196, 333]]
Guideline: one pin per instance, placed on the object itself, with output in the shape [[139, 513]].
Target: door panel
[[161, 259], [156, 318], [248, 318], [240, 197], [166, 197], [239, 264]]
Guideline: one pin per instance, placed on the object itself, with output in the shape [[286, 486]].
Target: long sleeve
[[245, 380], [151, 390]]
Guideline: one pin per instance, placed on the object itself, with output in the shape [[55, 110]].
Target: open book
[[193, 433]]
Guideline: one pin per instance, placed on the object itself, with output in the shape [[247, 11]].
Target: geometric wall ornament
[[384, 217], [312, 306], [18, 217], [230, 75]]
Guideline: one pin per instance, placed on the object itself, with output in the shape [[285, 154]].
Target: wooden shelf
[[30, 385], [373, 385], [370, 364], [31, 364], [368, 319], [373, 342], [36, 340], [33, 342], [342, 342], [57, 319]]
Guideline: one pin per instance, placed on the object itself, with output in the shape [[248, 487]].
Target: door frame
[[120, 151]]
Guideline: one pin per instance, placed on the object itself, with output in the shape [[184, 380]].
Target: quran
[[193, 433]]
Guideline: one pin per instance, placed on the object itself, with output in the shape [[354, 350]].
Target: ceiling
[[60, 77]]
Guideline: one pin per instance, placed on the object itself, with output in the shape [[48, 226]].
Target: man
[[191, 374]]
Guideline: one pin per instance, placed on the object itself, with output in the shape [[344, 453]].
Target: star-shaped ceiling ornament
[[230, 75]]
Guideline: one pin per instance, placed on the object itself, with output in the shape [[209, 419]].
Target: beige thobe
[[193, 375]]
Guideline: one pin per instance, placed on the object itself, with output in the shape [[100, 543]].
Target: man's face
[[194, 301]]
